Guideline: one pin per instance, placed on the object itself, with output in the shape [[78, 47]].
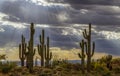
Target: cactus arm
[[39, 49], [20, 51], [81, 45], [43, 36], [86, 48], [40, 38], [34, 52], [85, 34], [48, 47], [79, 55], [45, 52], [28, 48], [28, 45], [93, 49], [26, 54], [25, 47]]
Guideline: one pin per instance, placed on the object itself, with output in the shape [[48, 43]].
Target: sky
[[63, 21]]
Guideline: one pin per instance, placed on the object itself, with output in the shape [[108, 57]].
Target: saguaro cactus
[[89, 50], [41, 48], [82, 55], [48, 54], [22, 50], [31, 51]]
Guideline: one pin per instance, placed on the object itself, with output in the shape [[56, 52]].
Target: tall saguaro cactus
[[41, 47], [82, 55], [48, 54], [22, 50], [31, 51], [89, 50]]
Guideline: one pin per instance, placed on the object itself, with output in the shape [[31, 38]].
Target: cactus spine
[[89, 50], [48, 54], [22, 50], [31, 51], [41, 48], [82, 55]]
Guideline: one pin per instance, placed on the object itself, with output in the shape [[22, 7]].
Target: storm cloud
[[63, 21]]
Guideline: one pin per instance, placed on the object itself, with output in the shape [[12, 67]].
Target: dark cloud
[[87, 2], [28, 12], [8, 36], [103, 14], [23, 11], [108, 46], [13, 35]]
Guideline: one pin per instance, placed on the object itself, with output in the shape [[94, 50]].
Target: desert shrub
[[46, 72], [58, 68], [107, 60], [102, 71], [66, 65], [116, 69], [5, 68], [116, 61], [107, 73], [100, 68], [76, 67], [57, 62]]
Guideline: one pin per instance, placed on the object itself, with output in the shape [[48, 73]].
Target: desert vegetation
[[51, 66]]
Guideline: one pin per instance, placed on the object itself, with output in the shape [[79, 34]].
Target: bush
[[116, 70], [46, 72], [57, 62], [5, 68], [100, 68]]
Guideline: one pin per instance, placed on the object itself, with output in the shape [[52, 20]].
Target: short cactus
[[41, 47], [82, 55], [48, 54], [22, 50], [89, 51]]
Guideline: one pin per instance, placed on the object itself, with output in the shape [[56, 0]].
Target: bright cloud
[[9, 23], [2, 30], [63, 16], [110, 35], [45, 3]]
